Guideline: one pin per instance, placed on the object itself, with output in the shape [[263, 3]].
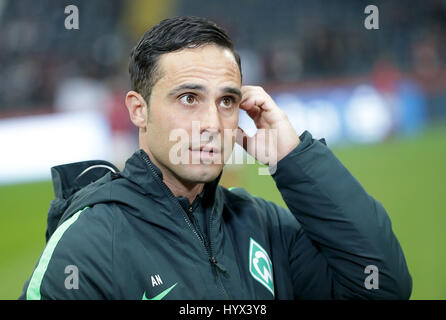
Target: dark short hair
[[167, 36]]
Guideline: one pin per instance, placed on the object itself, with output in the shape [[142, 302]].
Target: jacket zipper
[[212, 259]]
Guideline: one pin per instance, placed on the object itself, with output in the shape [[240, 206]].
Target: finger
[[248, 102], [248, 92], [253, 112], [253, 106], [254, 98], [243, 139], [246, 89], [263, 110]]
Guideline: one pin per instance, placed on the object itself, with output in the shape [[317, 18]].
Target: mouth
[[205, 152]]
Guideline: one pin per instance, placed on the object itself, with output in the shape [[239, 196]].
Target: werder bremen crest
[[260, 265]]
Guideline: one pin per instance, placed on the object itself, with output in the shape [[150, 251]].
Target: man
[[164, 229]]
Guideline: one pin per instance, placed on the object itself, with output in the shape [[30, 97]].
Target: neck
[[179, 187]]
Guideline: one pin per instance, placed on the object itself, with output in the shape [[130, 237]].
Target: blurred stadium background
[[377, 96]]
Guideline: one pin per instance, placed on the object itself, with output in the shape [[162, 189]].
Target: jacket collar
[[140, 170]]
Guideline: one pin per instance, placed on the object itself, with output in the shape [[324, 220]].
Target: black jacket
[[128, 237]]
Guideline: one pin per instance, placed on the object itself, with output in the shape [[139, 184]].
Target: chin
[[200, 173]]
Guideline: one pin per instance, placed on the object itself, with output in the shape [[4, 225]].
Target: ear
[[137, 108]]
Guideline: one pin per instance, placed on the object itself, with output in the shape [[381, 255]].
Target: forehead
[[205, 63]]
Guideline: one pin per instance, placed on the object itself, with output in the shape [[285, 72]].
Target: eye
[[227, 102], [188, 99]]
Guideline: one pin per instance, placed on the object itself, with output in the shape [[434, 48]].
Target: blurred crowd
[[44, 66]]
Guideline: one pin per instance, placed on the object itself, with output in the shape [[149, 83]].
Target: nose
[[210, 119]]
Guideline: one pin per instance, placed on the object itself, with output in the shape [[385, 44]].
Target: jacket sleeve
[[77, 260], [345, 248]]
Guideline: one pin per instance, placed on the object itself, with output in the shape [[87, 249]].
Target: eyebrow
[[234, 91], [198, 87], [186, 86]]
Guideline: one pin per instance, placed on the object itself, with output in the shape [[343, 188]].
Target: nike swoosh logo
[[161, 295]]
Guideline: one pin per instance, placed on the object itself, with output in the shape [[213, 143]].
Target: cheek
[[167, 130], [157, 129], [231, 122], [230, 125]]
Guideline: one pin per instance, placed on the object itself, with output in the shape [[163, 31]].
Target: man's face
[[198, 94]]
